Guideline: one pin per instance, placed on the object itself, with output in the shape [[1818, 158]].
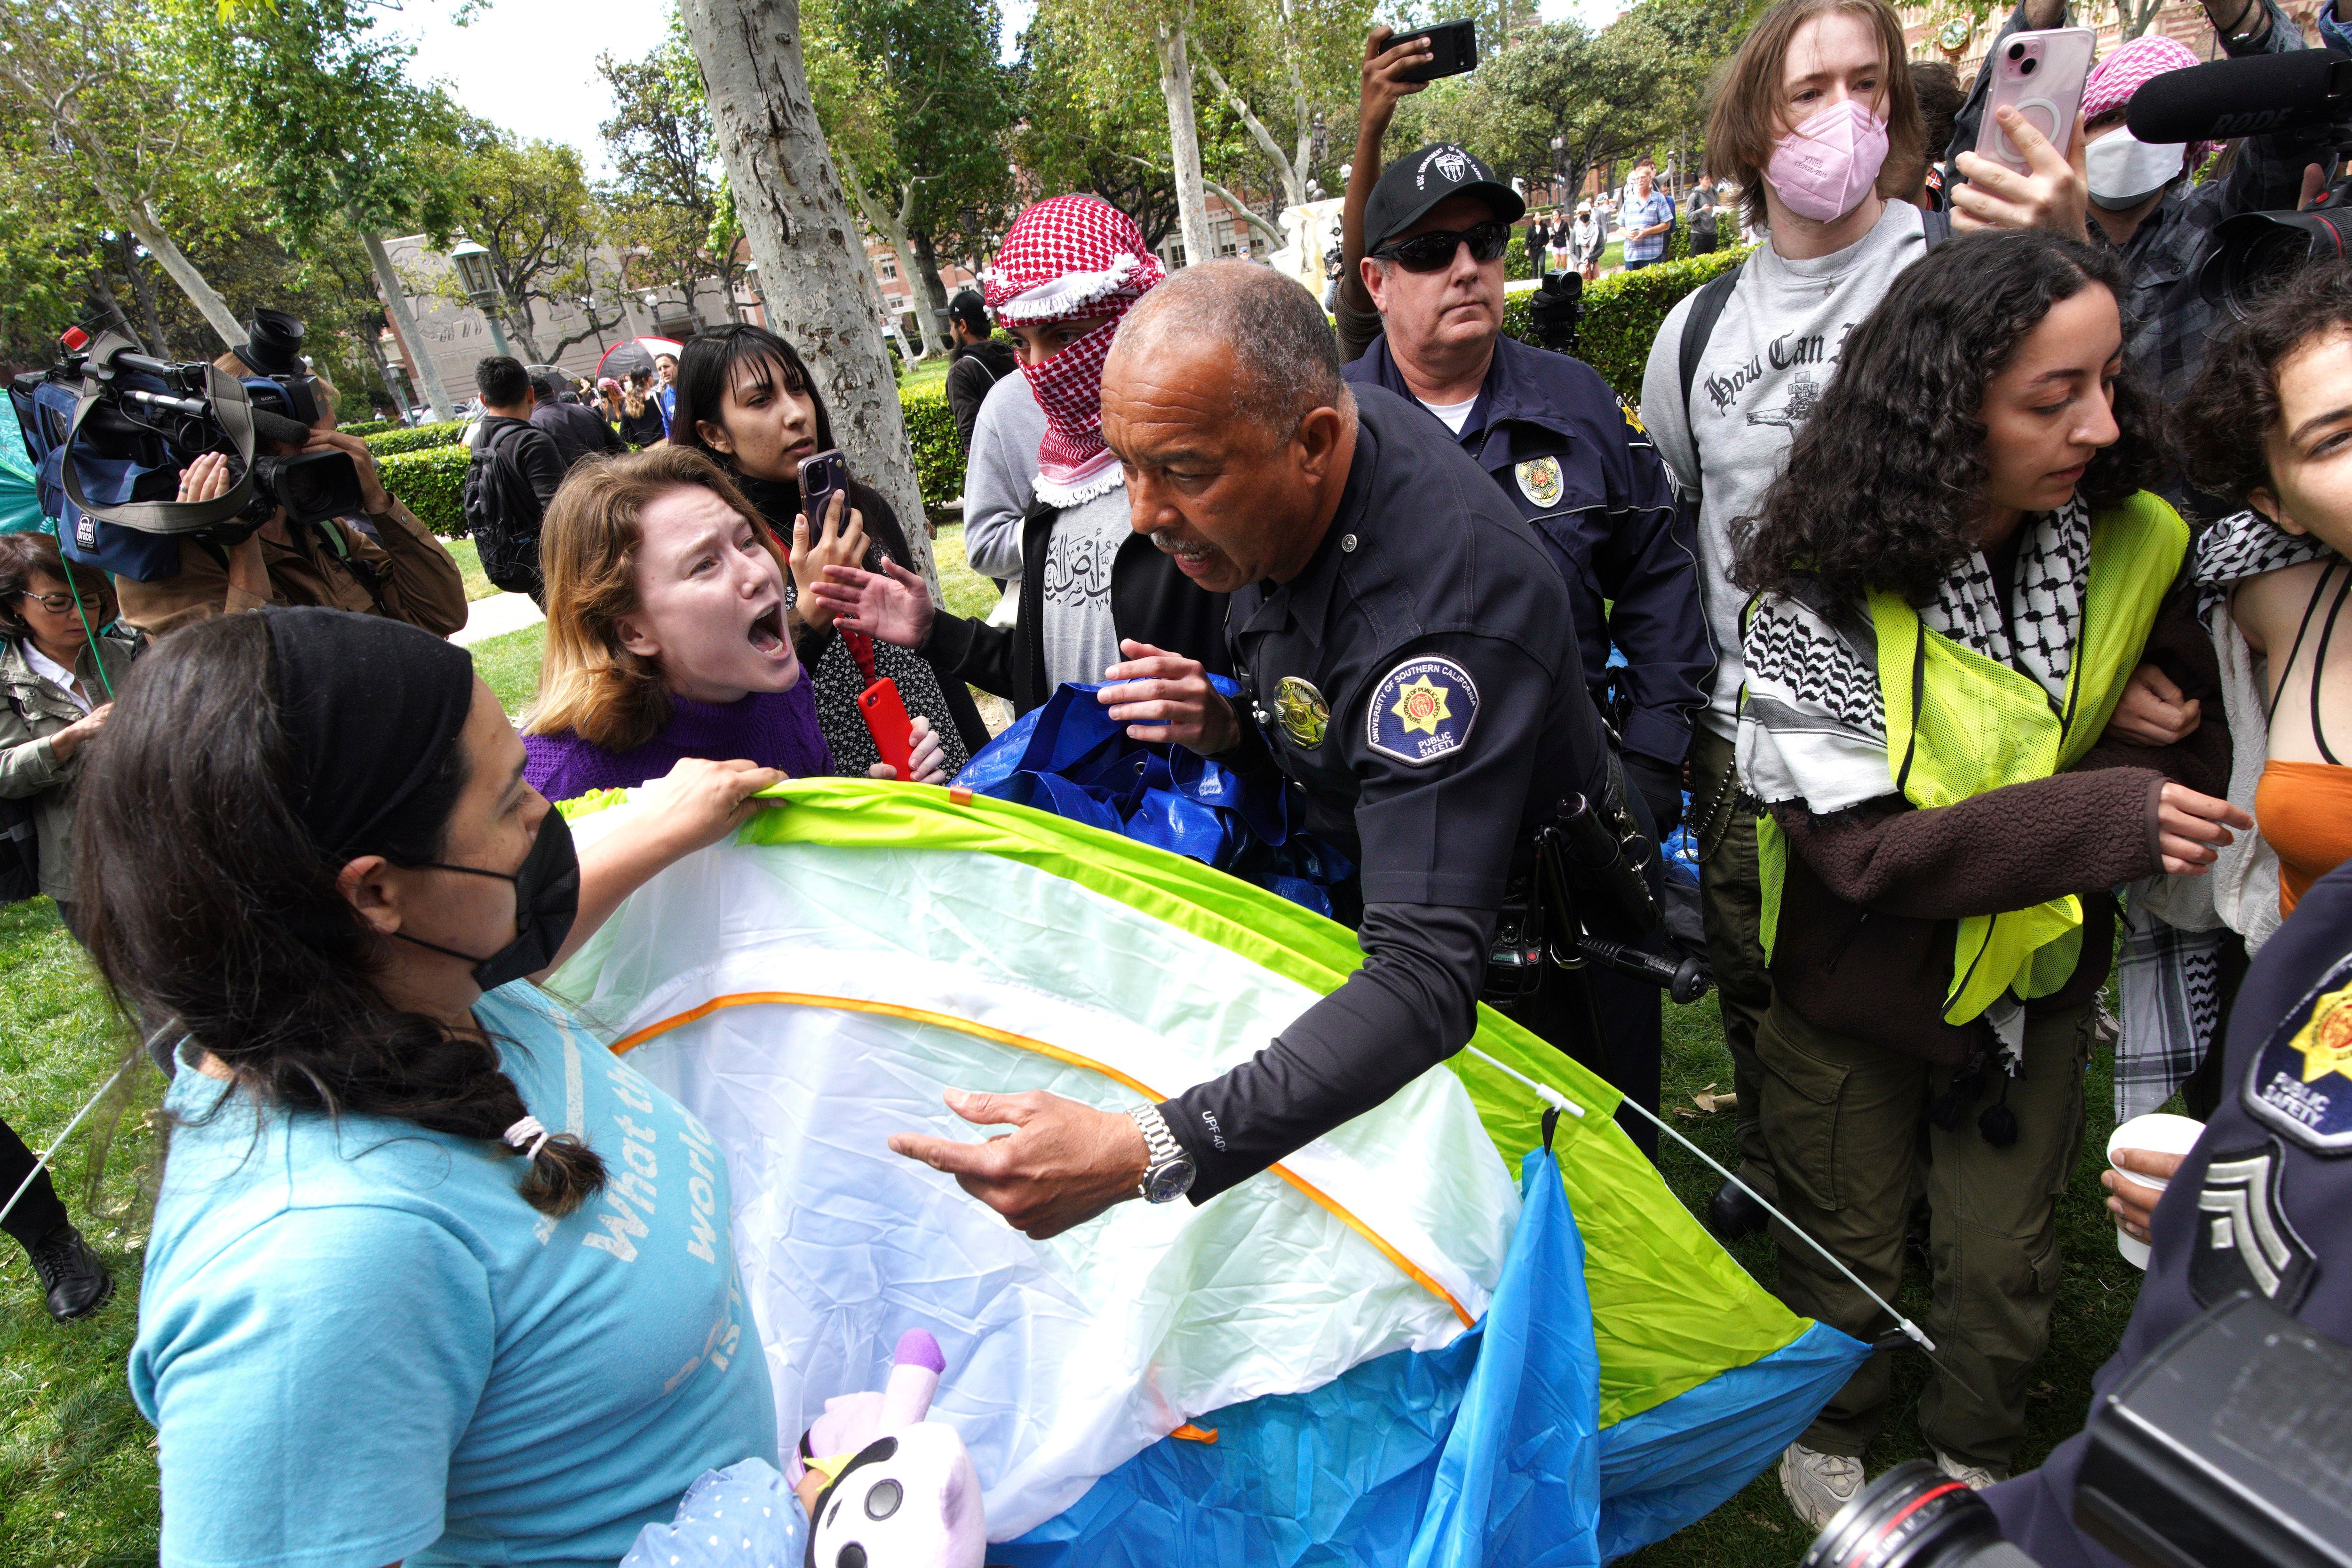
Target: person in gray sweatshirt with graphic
[[1815, 104]]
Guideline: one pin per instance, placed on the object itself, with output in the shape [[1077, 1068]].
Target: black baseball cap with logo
[[1411, 185]]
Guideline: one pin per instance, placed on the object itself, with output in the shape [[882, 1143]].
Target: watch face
[[1169, 1182]]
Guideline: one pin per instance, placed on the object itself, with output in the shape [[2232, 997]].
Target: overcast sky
[[530, 65]]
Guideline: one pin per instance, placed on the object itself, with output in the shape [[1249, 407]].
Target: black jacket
[[577, 432], [533, 451], [976, 368], [1150, 601]]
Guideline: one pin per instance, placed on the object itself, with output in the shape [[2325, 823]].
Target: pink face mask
[[1825, 166]]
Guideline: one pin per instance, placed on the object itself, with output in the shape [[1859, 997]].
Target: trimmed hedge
[[1622, 313], [365, 427], [938, 450], [415, 439], [432, 484]]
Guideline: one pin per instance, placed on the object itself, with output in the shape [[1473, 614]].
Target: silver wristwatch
[[1169, 1177]]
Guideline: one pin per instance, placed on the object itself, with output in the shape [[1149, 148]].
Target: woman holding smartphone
[[745, 400]]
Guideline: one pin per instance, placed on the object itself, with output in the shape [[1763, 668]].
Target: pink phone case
[[2040, 75]]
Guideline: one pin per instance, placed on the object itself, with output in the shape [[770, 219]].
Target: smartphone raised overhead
[[1452, 49], [2040, 75]]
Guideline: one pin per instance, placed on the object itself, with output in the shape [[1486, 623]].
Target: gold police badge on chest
[[1305, 715], [1539, 480]]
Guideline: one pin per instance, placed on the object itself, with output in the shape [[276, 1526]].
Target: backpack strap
[[1706, 309], [1937, 227]]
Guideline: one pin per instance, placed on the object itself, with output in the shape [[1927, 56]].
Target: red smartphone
[[822, 477], [887, 721]]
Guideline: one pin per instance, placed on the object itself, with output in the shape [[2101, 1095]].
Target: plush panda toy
[[903, 1492]]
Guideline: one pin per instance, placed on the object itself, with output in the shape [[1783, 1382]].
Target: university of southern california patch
[[2300, 1084], [1422, 711]]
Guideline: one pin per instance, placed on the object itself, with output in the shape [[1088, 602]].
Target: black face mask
[[547, 900]]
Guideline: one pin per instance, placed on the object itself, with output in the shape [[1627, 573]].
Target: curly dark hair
[[2229, 412], [1885, 487]]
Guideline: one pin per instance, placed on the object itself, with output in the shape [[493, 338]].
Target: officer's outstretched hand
[[1162, 696], [1062, 1164]]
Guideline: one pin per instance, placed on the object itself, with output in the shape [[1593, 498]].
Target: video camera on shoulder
[[2304, 92], [109, 430]]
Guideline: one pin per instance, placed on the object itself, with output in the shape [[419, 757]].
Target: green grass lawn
[[925, 375], [77, 1481]]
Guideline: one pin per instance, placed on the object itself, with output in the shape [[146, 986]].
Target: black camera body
[[109, 430], [2227, 1448]]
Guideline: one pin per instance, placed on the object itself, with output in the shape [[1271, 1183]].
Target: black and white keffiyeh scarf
[[2245, 544], [1814, 725]]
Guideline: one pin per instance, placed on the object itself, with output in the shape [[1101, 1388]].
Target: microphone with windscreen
[[2257, 96], [2301, 97]]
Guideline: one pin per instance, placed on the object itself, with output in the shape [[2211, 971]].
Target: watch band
[[1160, 1144]]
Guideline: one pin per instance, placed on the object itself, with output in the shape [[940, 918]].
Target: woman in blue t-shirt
[[434, 1276]]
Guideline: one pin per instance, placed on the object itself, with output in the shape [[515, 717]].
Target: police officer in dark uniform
[[2263, 1202], [1551, 435], [1412, 654]]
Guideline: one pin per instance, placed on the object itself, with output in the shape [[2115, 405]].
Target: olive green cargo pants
[[1731, 904], [1846, 1123]]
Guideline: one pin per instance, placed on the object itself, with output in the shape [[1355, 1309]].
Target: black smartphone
[[1452, 49], [820, 477]]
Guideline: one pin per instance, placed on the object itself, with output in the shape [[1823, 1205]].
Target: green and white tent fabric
[[815, 986]]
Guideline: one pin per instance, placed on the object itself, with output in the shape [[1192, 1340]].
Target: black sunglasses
[[1434, 251]]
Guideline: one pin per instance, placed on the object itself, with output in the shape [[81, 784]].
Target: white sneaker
[[1818, 1484], [1975, 1478]]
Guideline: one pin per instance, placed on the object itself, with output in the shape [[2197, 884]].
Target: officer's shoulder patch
[[1421, 710], [2300, 1084], [2244, 1239], [1632, 420]]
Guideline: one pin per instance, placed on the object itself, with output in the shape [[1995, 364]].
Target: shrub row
[[939, 451], [430, 482], [415, 439], [1622, 313], [365, 427]]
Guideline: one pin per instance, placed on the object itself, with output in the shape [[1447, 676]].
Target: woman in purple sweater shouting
[[667, 635]]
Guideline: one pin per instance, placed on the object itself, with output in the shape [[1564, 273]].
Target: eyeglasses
[[1434, 251], [58, 603]]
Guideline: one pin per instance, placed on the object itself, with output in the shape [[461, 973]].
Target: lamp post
[[481, 286]]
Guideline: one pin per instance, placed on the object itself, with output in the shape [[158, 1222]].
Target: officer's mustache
[[1169, 542]]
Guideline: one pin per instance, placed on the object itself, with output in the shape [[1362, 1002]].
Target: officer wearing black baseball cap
[[1421, 313]]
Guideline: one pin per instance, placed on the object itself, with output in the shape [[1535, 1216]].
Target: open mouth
[[767, 633]]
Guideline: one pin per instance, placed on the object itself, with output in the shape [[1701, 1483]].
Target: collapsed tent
[[1370, 1353]]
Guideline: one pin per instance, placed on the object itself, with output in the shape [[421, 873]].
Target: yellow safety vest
[[1959, 725]]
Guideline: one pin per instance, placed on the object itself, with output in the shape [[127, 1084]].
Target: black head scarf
[[373, 707]]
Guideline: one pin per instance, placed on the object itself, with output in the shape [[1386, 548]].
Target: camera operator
[[2136, 198], [2260, 1203], [384, 564]]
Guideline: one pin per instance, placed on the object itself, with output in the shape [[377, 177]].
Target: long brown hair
[[1744, 119], [589, 683]]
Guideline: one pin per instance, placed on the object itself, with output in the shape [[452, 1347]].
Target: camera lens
[[2016, 51], [2027, 69], [1914, 1516]]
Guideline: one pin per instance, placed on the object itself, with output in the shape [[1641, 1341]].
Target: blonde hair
[[632, 396], [1744, 121], [588, 682]]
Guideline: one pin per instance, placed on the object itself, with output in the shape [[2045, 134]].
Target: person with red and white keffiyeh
[[1093, 591], [2141, 199]]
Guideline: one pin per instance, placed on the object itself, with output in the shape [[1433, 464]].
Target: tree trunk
[[403, 325], [927, 253], [1183, 139], [142, 288], [797, 218], [183, 271], [892, 226]]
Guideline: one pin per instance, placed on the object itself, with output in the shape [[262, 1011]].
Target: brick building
[[1933, 36]]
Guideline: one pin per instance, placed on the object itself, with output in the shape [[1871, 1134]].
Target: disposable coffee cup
[[2158, 1134]]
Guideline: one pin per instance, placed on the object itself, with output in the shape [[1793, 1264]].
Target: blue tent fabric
[[1679, 1461], [1519, 1479], [1071, 759]]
